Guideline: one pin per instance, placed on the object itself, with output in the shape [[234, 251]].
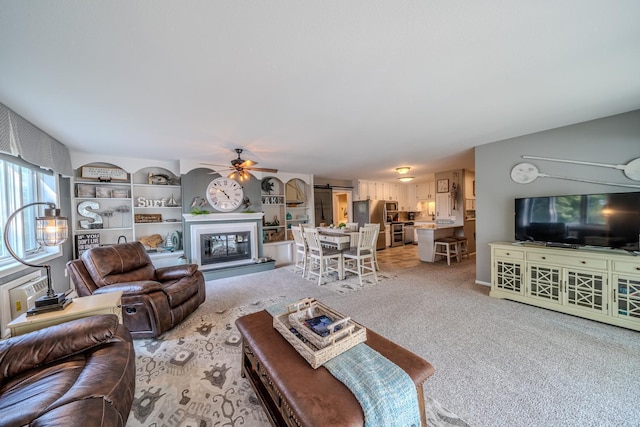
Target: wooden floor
[[398, 257]]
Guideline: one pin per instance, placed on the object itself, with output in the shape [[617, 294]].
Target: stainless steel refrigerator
[[371, 211]]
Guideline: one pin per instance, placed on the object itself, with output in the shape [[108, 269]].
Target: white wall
[[613, 140]]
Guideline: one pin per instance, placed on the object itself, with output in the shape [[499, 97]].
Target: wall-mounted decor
[[85, 242], [105, 174], [146, 218], [631, 169], [443, 186], [526, 173]]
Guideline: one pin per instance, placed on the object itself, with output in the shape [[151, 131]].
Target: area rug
[[347, 285], [190, 376]]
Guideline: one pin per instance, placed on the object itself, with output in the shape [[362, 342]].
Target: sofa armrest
[[175, 272], [140, 287], [22, 353]]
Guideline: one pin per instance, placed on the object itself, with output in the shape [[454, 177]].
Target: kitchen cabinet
[[400, 194], [382, 190], [397, 193], [366, 190], [411, 197], [443, 206], [426, 191], [595, 284]]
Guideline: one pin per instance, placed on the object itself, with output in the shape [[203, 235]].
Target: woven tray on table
[[344, 333]]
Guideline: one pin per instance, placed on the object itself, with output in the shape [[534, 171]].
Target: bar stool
[[463, 246], [447, 247]]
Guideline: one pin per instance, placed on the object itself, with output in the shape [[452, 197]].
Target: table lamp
[[51, 230]]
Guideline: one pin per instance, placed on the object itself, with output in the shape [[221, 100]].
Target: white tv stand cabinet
[[595, 284]]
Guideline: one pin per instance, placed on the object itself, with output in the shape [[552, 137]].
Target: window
[[20, 185]]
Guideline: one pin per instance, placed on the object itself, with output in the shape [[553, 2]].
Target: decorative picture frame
[[443, 186], [103, 173]]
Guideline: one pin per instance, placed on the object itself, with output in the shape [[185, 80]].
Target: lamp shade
[[52, 229]]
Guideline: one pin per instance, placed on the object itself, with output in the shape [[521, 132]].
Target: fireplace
[[216, 248], [220, 241]]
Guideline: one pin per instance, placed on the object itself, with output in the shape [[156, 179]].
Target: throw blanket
[[385, 391]]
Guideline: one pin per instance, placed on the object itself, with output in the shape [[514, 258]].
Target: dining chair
[[360, 260], [302, 252], [321, 260], [375, 226], [352, 226]]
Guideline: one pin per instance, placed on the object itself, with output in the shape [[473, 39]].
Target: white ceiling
[[341, 89]]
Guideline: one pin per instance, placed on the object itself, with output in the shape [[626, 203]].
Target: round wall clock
[[224, 194]]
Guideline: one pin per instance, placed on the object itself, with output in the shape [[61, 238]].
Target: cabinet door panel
[[544, 282], [586, 289], [627, 300], [508, 276]]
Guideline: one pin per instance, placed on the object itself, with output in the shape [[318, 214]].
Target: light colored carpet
[[498, 363]]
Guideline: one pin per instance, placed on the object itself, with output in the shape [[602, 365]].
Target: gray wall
[[611, 140]]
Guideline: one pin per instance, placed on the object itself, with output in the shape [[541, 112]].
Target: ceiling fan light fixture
[[403, 170], [406, 178], [240, 175]]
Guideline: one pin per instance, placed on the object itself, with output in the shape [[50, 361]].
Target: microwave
[[391, 206]]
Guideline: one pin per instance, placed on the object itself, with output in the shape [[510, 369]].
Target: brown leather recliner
[[154, 300], [76, 373]]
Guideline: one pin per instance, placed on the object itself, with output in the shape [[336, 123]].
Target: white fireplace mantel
[[222, 217]]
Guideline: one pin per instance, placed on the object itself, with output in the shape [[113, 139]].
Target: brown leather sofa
[[154, 300], [78, 373]]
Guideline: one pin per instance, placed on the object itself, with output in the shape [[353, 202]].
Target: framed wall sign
[[85, 242], [103, 173], [443, 185]]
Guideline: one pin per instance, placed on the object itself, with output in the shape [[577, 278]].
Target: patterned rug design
[[190, 376]]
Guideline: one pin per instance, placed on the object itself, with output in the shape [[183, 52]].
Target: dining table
[[339, 238]]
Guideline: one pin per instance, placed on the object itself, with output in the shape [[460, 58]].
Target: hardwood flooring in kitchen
[[398, 257], [405, 256]]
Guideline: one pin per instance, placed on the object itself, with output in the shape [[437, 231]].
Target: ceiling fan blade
[[247, 164], [264, 170], [219, 166]]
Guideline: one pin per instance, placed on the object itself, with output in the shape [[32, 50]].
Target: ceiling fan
[[239, 167]]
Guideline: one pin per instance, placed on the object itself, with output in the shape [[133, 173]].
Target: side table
[[92, 305]]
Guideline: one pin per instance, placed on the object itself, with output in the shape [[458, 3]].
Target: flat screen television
[[610, 220]]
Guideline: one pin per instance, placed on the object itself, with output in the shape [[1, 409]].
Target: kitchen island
[[427, 234]]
